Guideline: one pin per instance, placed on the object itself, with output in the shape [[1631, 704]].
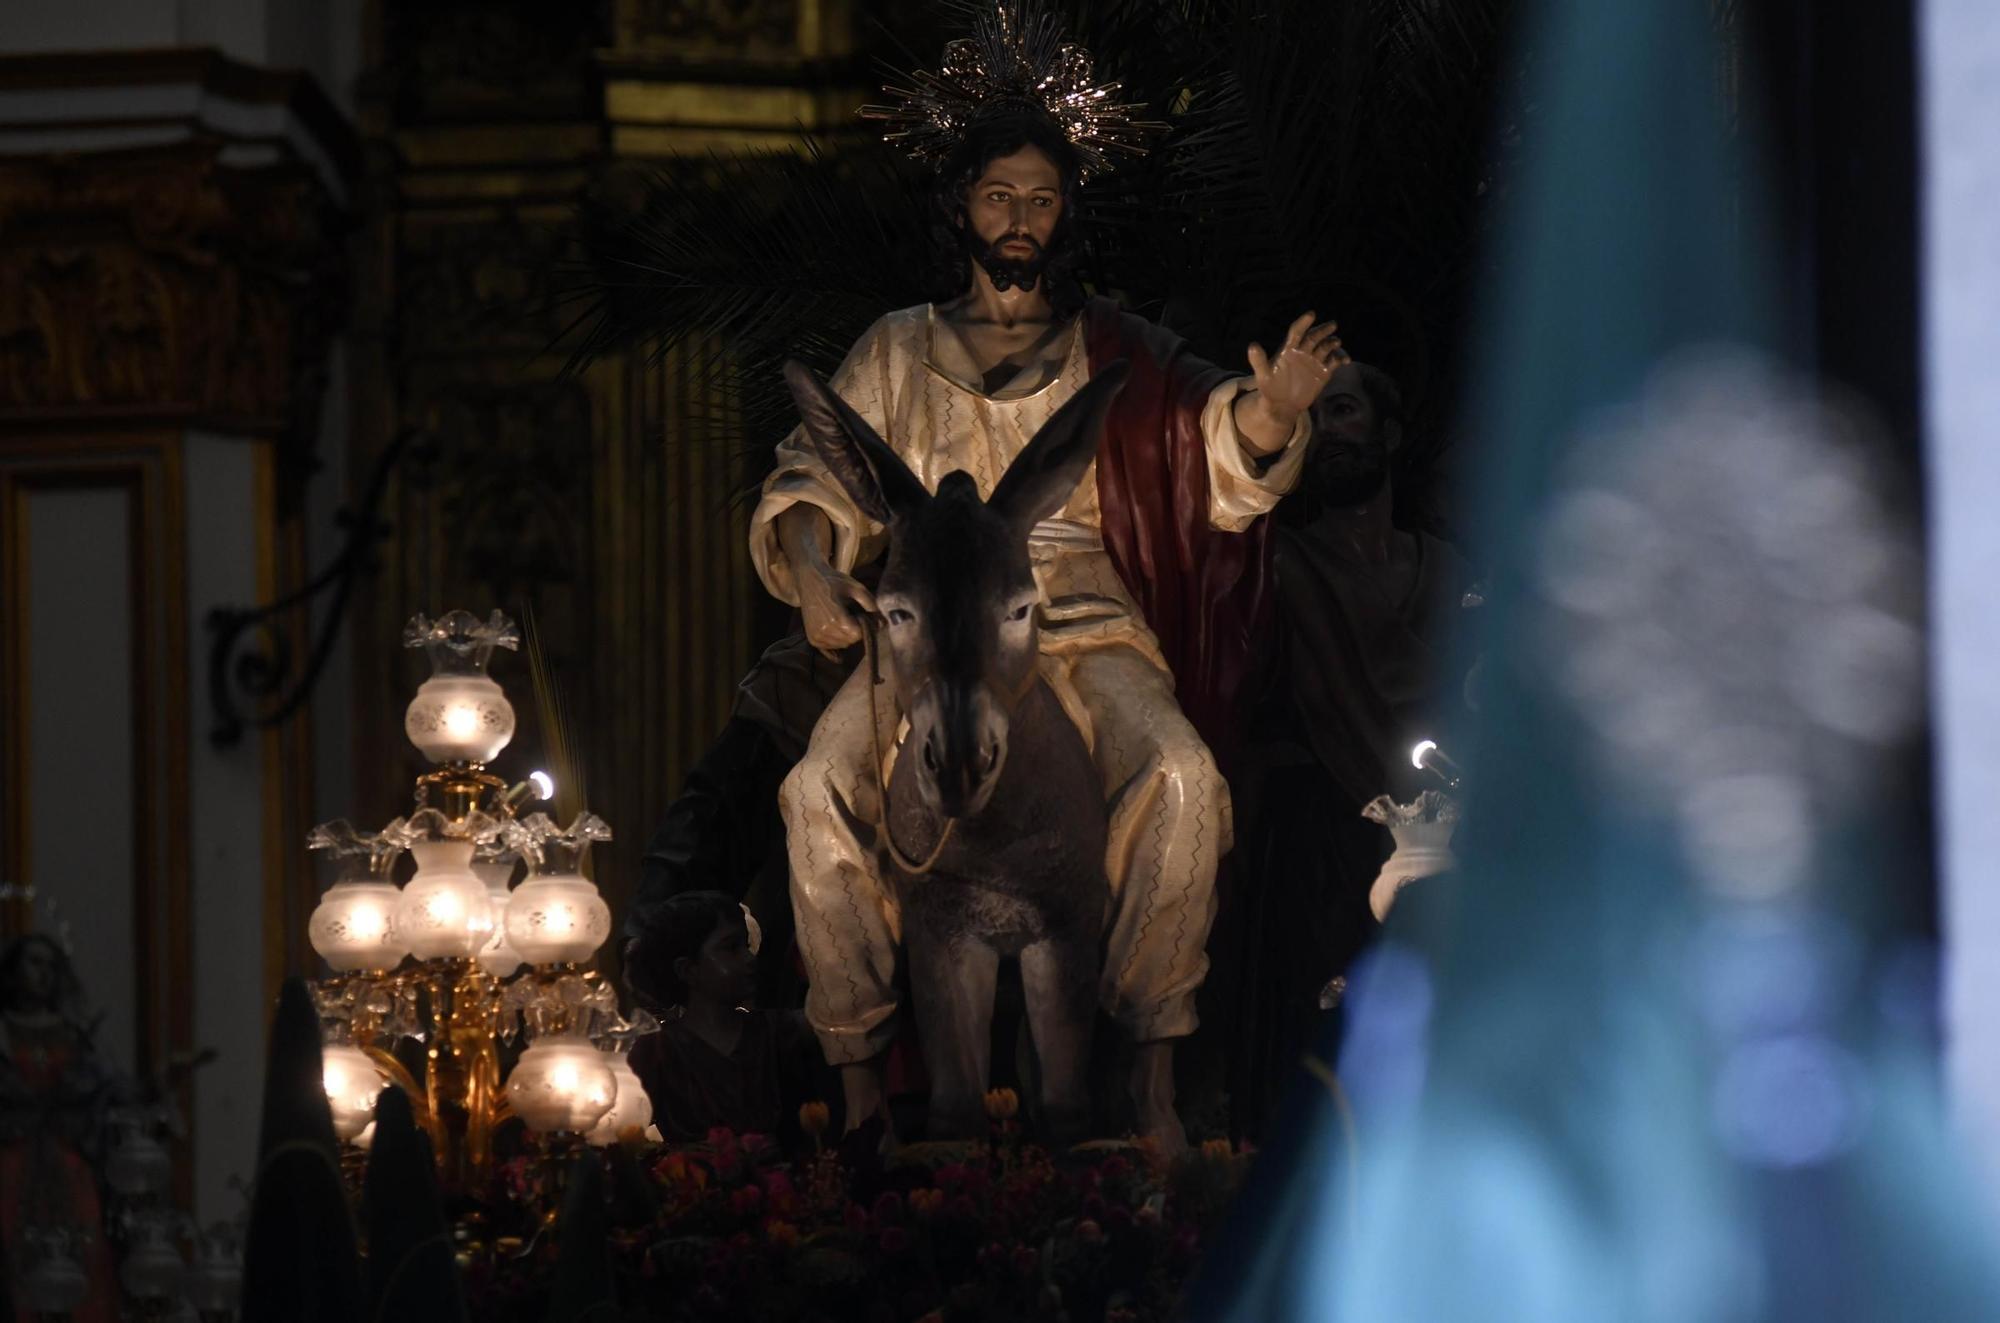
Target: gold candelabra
[[490, 958]]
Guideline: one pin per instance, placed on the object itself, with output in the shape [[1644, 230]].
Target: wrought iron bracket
[[251, 658]]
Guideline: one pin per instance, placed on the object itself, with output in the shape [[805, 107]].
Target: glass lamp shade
[[561, 1083], [459, 718], [153, 1266], [631, 1109], [354, 927], [498, 956], [445, 912], [352, 1081], [215, 1286], [557, 918], [138, 1165], [56, 1284]]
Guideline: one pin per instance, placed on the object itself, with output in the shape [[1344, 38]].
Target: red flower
[[893, 1240], [747, 1202], [721, 1137], [754, 1144], [778, 1189], [1113, 1168]]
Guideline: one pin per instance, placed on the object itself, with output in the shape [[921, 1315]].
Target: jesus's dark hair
[[1002, 131]]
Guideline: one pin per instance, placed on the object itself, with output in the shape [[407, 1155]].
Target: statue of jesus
[[1144, 577]]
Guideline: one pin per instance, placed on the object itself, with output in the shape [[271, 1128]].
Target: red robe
[[1204, 592]]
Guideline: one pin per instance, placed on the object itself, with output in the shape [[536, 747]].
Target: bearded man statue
[[1148, 579]]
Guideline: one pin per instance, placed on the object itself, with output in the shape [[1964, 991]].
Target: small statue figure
[[53, 1095]]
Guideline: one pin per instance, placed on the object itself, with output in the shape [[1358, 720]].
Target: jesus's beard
[[1008, 272]]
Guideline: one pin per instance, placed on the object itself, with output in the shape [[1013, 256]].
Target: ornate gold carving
[[161, 281], [709, 29]]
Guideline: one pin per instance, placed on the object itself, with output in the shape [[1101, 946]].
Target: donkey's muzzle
[[962, 749]]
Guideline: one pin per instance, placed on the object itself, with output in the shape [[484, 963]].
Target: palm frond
[[552, 713]]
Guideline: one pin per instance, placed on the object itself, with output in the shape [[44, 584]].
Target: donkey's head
[[957, 594]]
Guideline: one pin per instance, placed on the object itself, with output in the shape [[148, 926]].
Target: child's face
[[724, 971]]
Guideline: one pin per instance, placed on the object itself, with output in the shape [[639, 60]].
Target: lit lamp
[[556, 916], [445, 912], [494, 866], [353, 1082], [631, 1107], [354, 927], [1425, 756], [562, 1082], [460, 714]]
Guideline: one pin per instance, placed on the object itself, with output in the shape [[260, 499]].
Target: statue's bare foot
[[1153, 1097]]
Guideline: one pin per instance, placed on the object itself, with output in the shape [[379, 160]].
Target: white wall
[[1960, 53], [77, 623], [225, 832]]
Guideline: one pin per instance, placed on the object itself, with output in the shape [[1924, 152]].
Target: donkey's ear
[[872, 474], [1040, 480]]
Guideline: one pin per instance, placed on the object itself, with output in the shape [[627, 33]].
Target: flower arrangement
[[966, 1232]]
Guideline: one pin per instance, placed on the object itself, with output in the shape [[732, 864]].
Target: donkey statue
[[993, 820]]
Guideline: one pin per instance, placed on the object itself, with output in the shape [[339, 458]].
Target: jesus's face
[[1011, 212]]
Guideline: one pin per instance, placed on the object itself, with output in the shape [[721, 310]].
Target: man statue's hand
[[832, 604], [1290, 381]]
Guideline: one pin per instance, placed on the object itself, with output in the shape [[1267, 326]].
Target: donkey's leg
[[1059, 978], [952, 985]]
